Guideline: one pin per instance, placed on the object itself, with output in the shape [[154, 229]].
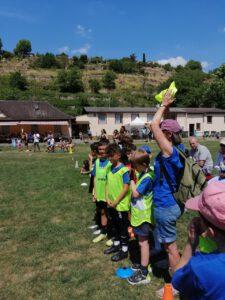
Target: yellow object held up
[[172, 88]]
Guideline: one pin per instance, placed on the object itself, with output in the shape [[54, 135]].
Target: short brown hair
[[140, 157]]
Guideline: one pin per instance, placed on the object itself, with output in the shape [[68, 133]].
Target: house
[[192, 120], [29, 116]]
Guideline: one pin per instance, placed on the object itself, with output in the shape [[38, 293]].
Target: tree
[[95, 85], [143, 58], [167, 67], [16, 80], [96, 60], [23, 48], [133, 57], [76, 62], [46, 61], [109, 80], [70, 81], [220, 72], [84, 58], [1, 45], [194, 65], [62, 60]]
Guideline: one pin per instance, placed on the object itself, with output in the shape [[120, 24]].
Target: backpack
[[191, 179]]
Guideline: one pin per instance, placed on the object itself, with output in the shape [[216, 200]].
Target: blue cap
[[146, 148]]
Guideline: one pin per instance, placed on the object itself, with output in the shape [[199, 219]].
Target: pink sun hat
[[170, 125], [211, 204]]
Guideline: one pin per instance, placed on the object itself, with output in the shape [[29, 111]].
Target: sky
[[173, 31]]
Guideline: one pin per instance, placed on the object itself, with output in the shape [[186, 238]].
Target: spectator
[[81, 135], [166, 209], [103, 135], [36, 141], [202, 275], [221, 155], [202, 156], [89, 134]]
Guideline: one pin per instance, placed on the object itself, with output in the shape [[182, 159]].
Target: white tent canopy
[[137, 122]]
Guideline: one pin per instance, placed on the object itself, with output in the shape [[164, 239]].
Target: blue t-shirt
[[145, 186], [126, 176], [203, 278], [102, 164], [181, 147], [162, 194]]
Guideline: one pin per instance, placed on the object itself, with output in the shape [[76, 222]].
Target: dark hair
[[103, 142], [176, 139], [140, 157], [129, 148], [94, 146], [112, 149]]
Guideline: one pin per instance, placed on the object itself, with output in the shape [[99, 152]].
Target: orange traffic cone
[[168, 292]]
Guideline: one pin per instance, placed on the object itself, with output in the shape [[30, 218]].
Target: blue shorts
[[165, 219], [143, 230]]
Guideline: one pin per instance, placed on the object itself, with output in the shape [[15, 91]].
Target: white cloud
[[174, 61], [205, 64], [82, 50], [64, 49], [82, 31]]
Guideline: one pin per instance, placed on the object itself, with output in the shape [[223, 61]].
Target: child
[[221, 176], [101, 169], [142, 214], [85, 167], [200, 275], [118, 200]]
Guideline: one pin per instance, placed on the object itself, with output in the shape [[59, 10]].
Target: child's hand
[[194, 231], [111, 204], [168, 99]]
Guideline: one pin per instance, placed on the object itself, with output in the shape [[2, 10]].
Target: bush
[[124, 65], [95, 85], [16, 80], [70, 81], [109, 80], [46, 61]]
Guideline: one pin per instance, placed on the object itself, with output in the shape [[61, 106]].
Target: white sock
[[124, 248], [116, 243]]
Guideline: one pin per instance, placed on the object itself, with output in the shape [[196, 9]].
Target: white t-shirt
[[36, 138], [52, 142]]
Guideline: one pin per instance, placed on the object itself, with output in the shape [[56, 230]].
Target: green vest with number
[[142, 207], [100, 180], [115, 187]]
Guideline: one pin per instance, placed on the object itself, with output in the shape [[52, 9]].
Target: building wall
[[216, 125]]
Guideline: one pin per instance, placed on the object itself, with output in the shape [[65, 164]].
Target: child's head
[[114, 153], [94, 149], [129, 150], [211, 206], [102, 145], [140, 160]]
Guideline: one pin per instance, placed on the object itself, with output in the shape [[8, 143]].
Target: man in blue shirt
[[200, 275]]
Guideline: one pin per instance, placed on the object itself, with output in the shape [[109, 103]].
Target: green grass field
[[45, 244]]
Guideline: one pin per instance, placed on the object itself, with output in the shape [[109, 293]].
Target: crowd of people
[[25, 140], [133, 194]]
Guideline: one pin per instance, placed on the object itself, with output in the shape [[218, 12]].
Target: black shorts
[[101, 205]]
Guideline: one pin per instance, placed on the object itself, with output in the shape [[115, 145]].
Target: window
[[134, 116], [102, 118], [149, 117], [118, 118], [209, 119], [198, 126]]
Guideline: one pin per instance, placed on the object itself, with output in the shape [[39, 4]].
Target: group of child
[[121, 185]]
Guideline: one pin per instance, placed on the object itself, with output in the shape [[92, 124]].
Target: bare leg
[[145, 253], [173, 254]]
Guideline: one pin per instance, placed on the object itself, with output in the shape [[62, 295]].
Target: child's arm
[[135, 193], [120, 197]]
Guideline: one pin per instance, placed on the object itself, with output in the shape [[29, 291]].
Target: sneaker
[[112, 249], [93, 227], [159, 293], [139, 278], [99, 238], [109, 243], [119, 256], [136, 267], [97, 232]]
